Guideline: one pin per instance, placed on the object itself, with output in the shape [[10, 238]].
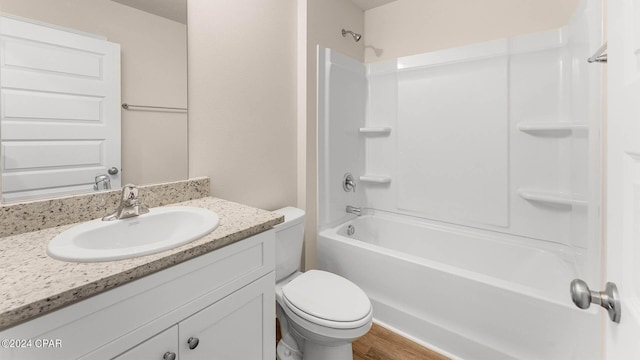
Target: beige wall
[[326, 19], [242, 107], [320, 22], [408, 27], [154, 72]]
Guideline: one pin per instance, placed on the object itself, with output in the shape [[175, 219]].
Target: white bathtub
[[469, 294]]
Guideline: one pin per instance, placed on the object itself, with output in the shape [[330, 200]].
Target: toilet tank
[[289, 239]]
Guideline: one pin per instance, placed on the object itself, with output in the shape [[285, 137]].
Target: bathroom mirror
[[68, 66]]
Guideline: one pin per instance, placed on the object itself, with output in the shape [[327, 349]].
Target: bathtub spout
[[354, 210]]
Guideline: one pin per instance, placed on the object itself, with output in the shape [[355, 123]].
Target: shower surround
[[477, 169]]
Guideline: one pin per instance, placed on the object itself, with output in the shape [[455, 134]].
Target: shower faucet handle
[[348, 183]]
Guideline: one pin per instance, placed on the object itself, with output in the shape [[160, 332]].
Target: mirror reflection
[[68, 66]]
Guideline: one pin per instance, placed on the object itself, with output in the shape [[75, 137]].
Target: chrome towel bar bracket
[[600, 55]]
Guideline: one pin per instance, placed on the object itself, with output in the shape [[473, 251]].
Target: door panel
[[623, 175], [60, 110]]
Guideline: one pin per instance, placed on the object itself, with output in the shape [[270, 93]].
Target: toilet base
[[322, 352], [285, 352], [315, 352]]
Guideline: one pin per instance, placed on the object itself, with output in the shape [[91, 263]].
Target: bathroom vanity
[[212, 298]]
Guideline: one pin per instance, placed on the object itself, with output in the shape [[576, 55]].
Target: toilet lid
[[327, 296]]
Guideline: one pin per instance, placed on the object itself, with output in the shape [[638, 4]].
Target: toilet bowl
[[320, 313]]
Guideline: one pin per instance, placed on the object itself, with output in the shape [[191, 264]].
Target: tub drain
[[351, 230]]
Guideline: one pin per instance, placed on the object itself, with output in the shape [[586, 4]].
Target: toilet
[[320, 313]]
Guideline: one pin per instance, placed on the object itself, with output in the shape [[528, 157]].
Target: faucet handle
[[130, 193], [130, 205], [348, 183]]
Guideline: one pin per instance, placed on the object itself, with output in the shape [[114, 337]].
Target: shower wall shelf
[[375, 130], [551, 197], [376, 179], [550, 127]]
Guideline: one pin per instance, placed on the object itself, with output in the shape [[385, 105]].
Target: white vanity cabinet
[[232, 328], [223, 300]]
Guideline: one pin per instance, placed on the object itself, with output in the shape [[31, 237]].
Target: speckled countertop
[[32, 283]]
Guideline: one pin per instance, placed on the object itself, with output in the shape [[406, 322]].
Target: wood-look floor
[[382, 344]]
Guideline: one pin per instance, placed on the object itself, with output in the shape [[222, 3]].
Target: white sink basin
[[161, 229]]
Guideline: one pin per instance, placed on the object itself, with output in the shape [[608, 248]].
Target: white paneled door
[[59, 108], [623, 175]]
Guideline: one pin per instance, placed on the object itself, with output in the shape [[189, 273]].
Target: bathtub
[[463, 292]]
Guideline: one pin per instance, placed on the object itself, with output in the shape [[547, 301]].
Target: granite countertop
[[32, 283]]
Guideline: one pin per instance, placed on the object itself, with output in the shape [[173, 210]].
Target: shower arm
[[356, 37]]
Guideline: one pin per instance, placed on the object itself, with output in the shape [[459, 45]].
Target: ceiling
[[370, 4], [175, 10]]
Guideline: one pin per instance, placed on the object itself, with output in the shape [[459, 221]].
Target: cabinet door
[[239, 327], [159, 347]]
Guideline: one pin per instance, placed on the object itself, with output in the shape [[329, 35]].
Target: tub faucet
[[354, 210], [130, 205]]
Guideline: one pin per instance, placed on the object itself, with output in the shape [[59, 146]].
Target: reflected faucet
[[130, 205], [102, 182], [354, 210]]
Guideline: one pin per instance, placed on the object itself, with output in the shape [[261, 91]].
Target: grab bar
[[600, 55]]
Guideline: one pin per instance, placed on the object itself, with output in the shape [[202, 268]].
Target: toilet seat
[[328, 300]]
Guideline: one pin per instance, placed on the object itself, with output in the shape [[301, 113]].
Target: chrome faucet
[[102, 182], [354, 210], [130, 205]]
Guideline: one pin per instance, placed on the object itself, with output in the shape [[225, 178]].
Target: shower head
[[356, 37]]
